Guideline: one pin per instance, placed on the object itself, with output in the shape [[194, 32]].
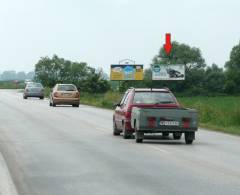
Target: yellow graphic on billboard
[[123, 72]]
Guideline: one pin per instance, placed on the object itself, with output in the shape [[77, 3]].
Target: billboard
[[123, 72], [168, 72]]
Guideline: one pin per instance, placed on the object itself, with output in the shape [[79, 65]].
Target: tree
[[30, 75], [194, 63], [214, 79], [95, 84], [234, 62], [233, 71], [54, 70], [44, 71], [191, 57], [8, 75], [21, 75]]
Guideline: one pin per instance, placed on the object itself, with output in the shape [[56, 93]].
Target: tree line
[[11, 75], [50, 71], [200, 79]]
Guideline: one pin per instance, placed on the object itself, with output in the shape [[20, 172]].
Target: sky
[[103, 32]]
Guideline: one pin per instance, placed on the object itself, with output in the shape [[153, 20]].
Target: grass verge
[[11, 85], [217, 113]]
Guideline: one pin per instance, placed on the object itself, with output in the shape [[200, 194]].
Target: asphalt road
[[71, 151]]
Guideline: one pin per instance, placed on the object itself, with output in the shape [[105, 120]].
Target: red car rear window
[[152, 97]]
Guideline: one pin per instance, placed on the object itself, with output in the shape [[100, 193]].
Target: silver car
[[33, 90]]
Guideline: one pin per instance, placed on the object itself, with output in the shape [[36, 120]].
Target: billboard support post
[[126, 61], [126, 70]]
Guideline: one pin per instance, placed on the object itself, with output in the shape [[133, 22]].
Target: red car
[[139, 97]]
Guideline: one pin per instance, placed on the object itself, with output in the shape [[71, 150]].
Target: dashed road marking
[[159, 149], [103, 130]]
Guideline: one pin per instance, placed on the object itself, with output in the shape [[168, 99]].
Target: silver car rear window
[[34, 85]]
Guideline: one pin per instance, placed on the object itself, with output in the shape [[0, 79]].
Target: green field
[[11, 85], [101, 100], [217, 113]]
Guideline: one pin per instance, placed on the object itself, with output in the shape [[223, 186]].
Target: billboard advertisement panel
[[123, 72], [168, 72]]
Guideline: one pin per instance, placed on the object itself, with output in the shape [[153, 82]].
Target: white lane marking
[[103, 130], [149, 146], [159, 149]]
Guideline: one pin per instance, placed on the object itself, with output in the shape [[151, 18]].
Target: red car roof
[[152, 89]]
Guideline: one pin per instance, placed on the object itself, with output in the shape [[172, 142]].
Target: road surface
[[71, 151]]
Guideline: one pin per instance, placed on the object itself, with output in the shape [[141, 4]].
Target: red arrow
[[168, 45]]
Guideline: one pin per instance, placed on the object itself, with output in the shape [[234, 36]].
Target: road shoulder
[[7, 186]]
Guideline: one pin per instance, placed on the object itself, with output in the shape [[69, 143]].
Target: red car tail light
[[186, 122], [152, 122], [55, 94], [77, 94], [128, 113]]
